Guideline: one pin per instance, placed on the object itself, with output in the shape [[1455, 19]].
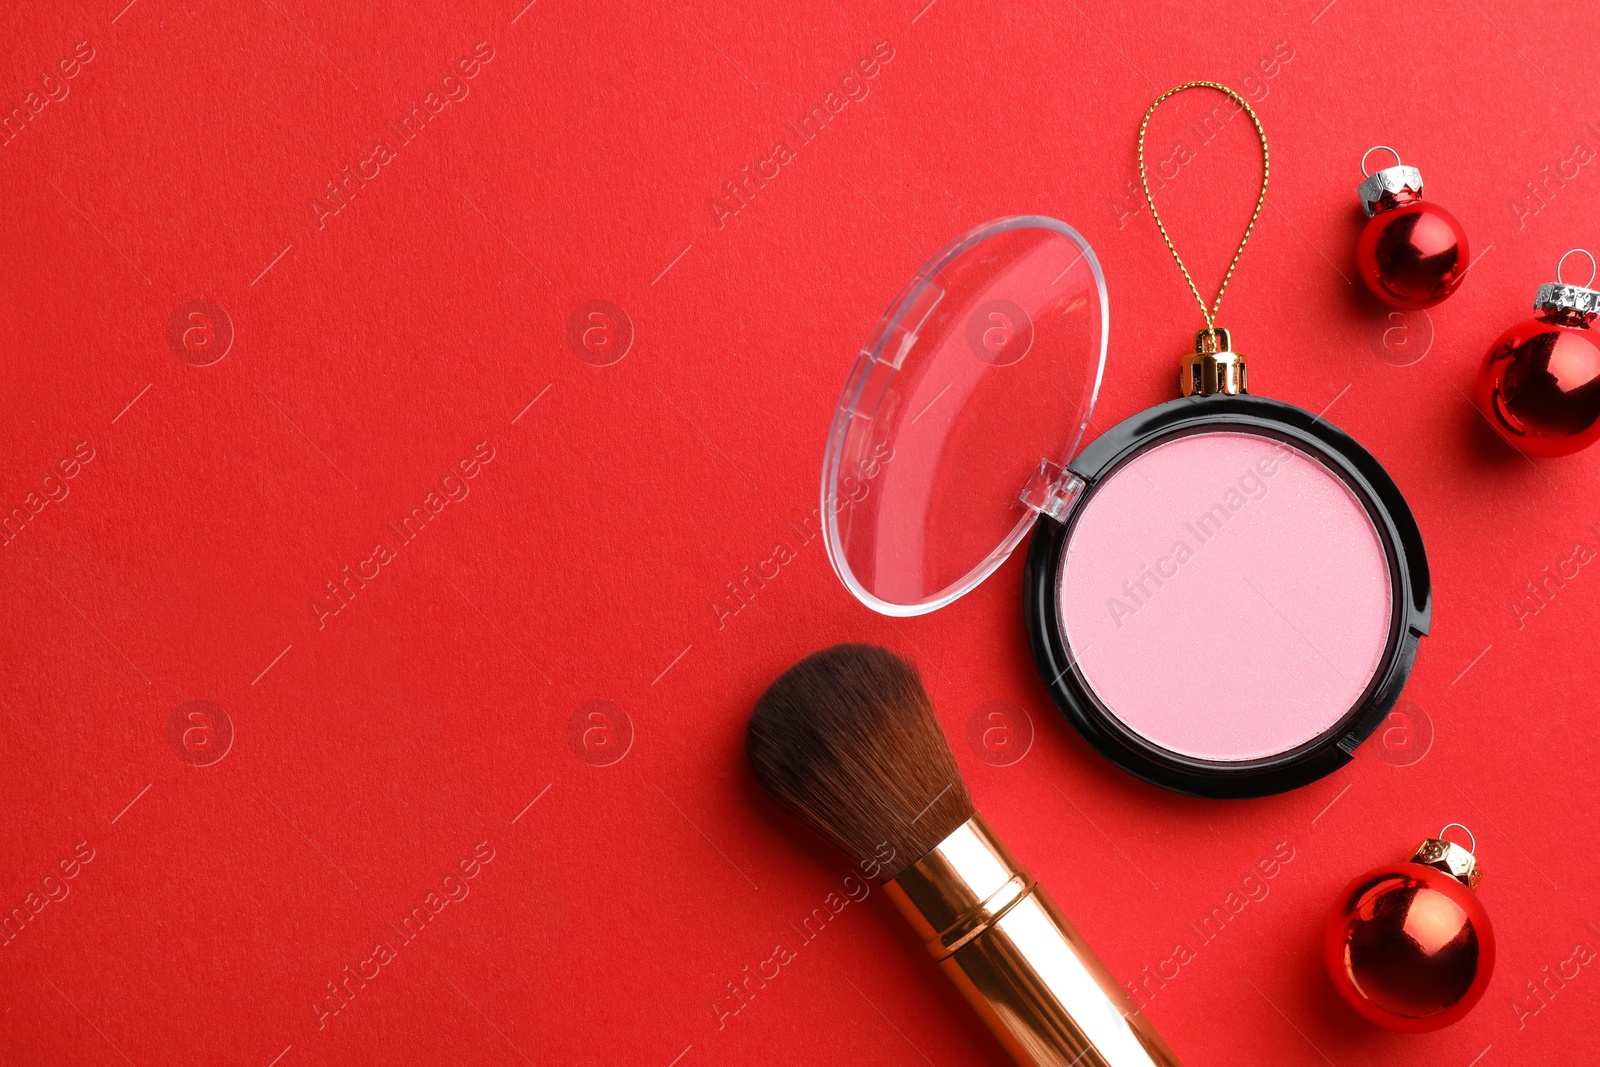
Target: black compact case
[[1408, 570]]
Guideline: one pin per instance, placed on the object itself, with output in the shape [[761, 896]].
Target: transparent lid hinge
[[1051, 489]]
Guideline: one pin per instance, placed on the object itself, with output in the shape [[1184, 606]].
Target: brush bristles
[[847, 740]]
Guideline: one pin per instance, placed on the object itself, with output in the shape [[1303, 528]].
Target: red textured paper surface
[[446, 711]]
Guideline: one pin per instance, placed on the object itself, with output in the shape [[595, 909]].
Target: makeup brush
[[847, 740]]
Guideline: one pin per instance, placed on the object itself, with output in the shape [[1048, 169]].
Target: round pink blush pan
[[1226, 596]]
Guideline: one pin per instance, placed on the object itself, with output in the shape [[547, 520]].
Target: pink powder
[[1226, 596]]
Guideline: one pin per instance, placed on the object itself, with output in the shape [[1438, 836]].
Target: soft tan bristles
[[847, 740]]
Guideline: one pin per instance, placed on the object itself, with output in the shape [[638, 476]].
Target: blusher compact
[[1235, 600], [1224, 594]]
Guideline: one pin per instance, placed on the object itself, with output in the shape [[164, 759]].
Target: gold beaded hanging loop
[[1210, 313]]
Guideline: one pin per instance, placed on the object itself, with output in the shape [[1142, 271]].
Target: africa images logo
[[600, 333], [1251, 485], [340, 591], [738, 194]]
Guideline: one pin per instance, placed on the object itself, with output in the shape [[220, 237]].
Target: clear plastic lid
[[962, 410]]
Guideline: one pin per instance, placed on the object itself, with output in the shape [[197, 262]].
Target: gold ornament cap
[[1455, 860], [1213, 366]]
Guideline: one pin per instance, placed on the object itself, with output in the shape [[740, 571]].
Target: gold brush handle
[[1018, 961]]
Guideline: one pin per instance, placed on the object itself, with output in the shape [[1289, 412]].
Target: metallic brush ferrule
[[1018, 961]]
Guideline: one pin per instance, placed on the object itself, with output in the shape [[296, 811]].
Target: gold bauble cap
[[1213, 366], [1455, 860]]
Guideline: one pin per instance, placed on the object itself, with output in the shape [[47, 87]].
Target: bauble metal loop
[[1563, 262], [1366, 173]]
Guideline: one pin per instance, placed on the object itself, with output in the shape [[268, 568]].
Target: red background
[[372, 352]]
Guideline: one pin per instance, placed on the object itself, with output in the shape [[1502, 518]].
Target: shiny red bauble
[[1409, 947], [1540, 383], [1412, 255]]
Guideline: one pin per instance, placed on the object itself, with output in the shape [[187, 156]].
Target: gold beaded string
[[1266, 169]]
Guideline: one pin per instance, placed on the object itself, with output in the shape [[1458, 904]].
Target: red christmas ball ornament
[[1540, 383], [1409, 945], [1411, 254]]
